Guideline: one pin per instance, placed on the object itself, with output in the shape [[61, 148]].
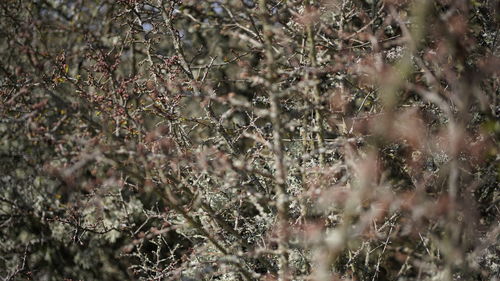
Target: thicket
[[249, 140]]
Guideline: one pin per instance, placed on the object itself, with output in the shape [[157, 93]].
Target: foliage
[[249, 140]]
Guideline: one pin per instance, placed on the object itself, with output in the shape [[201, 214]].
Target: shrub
[[249, 140]]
